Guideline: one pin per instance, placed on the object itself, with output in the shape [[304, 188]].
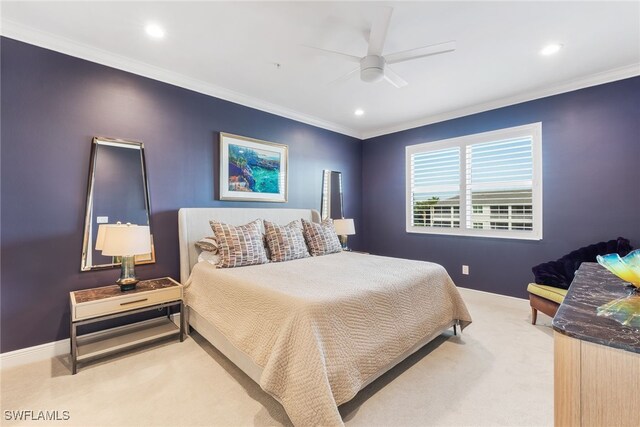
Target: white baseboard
[[36, 353], [50, 350], [493, 294]]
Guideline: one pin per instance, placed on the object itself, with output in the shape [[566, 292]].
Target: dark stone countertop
[[593, 287], [94, 294]]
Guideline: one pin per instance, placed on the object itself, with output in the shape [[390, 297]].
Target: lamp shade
[[344, 226], [124, 240], [102, 231]]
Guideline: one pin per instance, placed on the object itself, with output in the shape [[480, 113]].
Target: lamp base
[[127, 280], [343, 242], [124, 287]]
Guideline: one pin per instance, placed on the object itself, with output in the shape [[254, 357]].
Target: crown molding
[[608, 76], [64, 45], [50, 41]]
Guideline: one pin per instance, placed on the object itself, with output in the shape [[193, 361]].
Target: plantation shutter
[[435, 188], [500, 185], [486, 184]]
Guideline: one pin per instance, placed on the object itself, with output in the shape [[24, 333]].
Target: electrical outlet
[[102, 220], [465, 269]]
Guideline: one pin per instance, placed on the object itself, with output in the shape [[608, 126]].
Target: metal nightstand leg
[[74, 349], [182, 320]]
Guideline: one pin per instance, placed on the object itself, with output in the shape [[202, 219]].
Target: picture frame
[[253, 170]]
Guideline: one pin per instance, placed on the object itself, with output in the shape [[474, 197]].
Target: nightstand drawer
[[126, 302]]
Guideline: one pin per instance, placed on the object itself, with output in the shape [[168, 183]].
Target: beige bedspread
[[320, 327]]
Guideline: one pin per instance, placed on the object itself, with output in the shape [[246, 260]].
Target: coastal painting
[[252, 170]]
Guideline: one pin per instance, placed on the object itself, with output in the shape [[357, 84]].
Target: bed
[[313, 332]]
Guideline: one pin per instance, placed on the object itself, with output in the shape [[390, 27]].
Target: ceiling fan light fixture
[[372, 68], [371, 75]]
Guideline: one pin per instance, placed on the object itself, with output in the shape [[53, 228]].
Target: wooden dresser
[[596, 357]]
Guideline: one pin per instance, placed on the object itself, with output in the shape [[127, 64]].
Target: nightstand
[[109, 302]]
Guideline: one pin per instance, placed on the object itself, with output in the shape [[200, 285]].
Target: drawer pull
[[133, 302]]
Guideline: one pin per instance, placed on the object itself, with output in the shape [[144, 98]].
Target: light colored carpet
[[499, 372]]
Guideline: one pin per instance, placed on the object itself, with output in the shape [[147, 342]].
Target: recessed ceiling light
[[359, 112], [550, 49], [155, 31]]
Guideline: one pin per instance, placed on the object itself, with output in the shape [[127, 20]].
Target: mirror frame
[[325, 202], [95, 142]]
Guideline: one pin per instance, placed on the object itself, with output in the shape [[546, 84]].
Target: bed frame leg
[[455, 329], [188, 327]]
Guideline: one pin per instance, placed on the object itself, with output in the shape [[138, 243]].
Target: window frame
[[532, 130]]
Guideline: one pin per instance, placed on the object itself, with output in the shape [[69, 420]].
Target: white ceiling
[[228, 49]]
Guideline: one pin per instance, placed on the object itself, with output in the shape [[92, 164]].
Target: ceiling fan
[[373, 66]]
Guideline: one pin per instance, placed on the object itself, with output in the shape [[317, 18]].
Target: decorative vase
[[626, 268]]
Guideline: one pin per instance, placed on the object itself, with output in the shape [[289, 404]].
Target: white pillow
[[208, 244], [211, 258]]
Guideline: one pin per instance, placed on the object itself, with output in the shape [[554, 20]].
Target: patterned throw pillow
[[286, 242], [321, 238], [240, 246], [209, 244]]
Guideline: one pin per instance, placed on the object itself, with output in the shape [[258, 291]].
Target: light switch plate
[[465, 269], [102, 220]]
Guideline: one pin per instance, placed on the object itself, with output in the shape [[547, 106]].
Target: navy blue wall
[[52, 105], [591, 186]]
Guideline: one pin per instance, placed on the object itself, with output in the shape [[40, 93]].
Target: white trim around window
[[486, 185]]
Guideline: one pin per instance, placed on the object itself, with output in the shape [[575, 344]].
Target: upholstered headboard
[[193, 225]]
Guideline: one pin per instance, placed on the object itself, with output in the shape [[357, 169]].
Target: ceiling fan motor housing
[[372, 68]]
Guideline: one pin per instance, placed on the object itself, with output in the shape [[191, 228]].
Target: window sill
[[512, 235]]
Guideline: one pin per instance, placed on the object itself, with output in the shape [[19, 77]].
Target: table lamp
[[344, 227], [125, 241]]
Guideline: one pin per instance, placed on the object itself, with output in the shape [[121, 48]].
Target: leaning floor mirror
[[331, 205], [117, 192]]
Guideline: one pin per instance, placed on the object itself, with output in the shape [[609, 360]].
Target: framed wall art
[[252, 170]]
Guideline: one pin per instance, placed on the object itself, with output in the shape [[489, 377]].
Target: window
[[522, 212], [442, 210], [521, 226], [436, 188], [499, 210], [499, 225], [487, 184], [442, 224], [522, 209]]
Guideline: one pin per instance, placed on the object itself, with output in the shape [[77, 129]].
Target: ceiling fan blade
[[333, 53], [345, 77], [378, 33], [420, 52], [393, 78]]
